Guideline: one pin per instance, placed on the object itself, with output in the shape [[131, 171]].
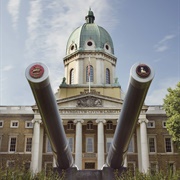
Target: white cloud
[[13, 9], [162, 45], [50, 24], [166, 38], [34, 16], [33, 23], [156, 96], [7, 68]]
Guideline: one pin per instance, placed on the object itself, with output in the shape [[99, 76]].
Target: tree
[[172, 107]]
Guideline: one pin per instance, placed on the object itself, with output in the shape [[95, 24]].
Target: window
[[89, 43], [27, 166], [89, 165], [131, 168], [12, 144], [89, 73], [28, 144], [89, 144], [153, 168], [107, 47], [108, 143], [109, 125], [164, 124], [0, 142], [48, 146], [107, 76], [48, 168], [171, 167], [1, 123], [152, 144], [28, 124], [168, 145], [72, 76], [89, 125], [70, 125], [14, 124], [10, 164], [71, 143], [151, 124], [72, 48], [131, 146]]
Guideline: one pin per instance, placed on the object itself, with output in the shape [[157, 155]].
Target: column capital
[[37, 116], [78, 120], [141, 120], [36, 120], [100, 121]]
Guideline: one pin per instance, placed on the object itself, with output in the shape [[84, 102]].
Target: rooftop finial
[[90, 17]]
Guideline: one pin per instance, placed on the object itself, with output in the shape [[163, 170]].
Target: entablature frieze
[[89, 111], [98, 54], [84, 111]]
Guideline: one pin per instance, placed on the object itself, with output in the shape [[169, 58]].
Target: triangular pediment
[[89, 100]]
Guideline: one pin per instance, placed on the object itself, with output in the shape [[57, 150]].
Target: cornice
[[80, 53], [97, 96]]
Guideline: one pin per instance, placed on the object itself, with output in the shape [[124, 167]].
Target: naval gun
[[140, 79]]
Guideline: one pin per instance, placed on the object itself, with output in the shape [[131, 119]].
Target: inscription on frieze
[[85, 111]]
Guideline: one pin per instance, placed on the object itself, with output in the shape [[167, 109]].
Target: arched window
[[109, 125], [107, 76], [70, 125], [89, 125], [72, 76], [89, 73]]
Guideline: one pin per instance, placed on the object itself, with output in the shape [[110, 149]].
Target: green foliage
[[148, 176], [172, 107], [16, 174], [19, 174]]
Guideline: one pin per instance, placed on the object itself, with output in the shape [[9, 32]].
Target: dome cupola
[[89, 37], [90, 55]]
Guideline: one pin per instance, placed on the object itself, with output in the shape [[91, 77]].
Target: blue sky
[[37, 30]]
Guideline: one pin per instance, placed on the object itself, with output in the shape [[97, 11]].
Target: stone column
[[41, 147], [99, 71], [125, 162], [78, 147], [79, 71], [54, 162], [35, 156], [144, 145], [139, 148], [100, 143]]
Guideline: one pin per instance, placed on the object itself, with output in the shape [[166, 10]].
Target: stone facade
[[161, 151]]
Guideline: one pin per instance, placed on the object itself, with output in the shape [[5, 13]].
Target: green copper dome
[[89, 36]]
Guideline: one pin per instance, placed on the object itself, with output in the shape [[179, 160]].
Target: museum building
[[89, 101]]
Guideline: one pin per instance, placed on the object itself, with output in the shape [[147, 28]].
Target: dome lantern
[[90, 17]]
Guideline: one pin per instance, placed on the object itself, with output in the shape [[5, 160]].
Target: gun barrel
[[141, 76], [37, 75]]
